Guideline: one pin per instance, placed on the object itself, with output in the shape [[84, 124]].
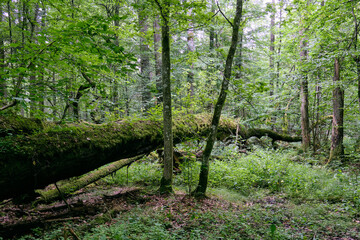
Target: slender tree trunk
[[191, 49], [272, 49], [115, 85], [279, 48], [24, 25], [239, 65], [357, 60], [54, 107], [3, 91], [166, 181], [337, 132], [304, 93], [316, 130], [212, 29], [204, 170], [157, 39], [33, 67], [144, 61]]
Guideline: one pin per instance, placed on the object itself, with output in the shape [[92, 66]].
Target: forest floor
[[107, 211], [101, 212]]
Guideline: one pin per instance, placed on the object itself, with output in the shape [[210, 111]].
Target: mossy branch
[[72, 186]]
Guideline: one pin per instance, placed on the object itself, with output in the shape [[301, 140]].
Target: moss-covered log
[[32, 161], [72, 186], [255, 132]]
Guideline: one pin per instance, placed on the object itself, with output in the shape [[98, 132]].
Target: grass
[[263, 195]]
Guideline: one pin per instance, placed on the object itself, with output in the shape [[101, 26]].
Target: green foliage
[[275, 171], [245, 174], [138, 173]]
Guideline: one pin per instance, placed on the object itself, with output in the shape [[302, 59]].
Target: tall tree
[[166, 181], [204, 170]]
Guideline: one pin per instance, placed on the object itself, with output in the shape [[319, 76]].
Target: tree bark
[[315, 129], [272, 48], [204, 170], [144, 61], [33, 156], [191, 49], [33, 68], [357, 61], [166, 181], [157, 39], [3, 91], [212, 29], [337, 132], [304, 93]]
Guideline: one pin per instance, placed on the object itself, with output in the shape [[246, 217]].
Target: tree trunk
[[238, 75], [212, 29], [157, 39], [191, 49], [80, 92], [281, 4], [3, 91], [337, 132], [304, 93], [204, 170], [357, 60], [144, 61], [166, 181], [315, 129], [32, 158], [115, 86], [272, 48], [33, 68]]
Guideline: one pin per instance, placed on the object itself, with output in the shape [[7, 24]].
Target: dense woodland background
[[296, 69], [101, 61]]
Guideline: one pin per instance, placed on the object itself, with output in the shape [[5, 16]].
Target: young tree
[[204, 170], [304, 93]]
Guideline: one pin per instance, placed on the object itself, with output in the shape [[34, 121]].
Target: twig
[[62, 196], [62, 219]]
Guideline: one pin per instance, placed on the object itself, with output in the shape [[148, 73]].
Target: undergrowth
[[261, 195], [263, 169]]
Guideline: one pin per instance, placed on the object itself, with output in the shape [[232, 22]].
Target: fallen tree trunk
[[72, 186], [32, 161]]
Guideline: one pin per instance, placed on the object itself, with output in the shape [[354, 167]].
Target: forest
[[179, 119]]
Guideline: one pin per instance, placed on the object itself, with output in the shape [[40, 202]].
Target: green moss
[[15, 124]]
